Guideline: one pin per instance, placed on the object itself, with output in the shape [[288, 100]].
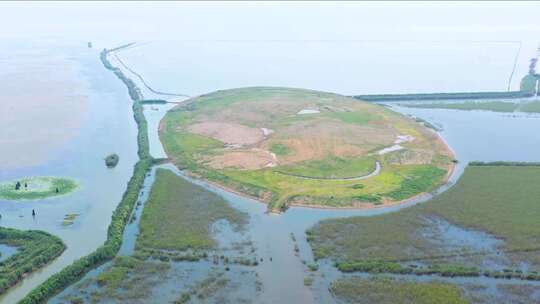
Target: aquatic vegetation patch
[[34, 250], [69, 219], [498, 201], [37, 187], [178, 215], [388, 290]]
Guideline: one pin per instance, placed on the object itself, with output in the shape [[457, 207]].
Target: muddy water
[[102, 125]]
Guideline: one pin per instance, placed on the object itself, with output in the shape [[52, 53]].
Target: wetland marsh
[[183, 216]]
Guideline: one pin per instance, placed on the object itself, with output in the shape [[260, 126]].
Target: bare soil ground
[[228, 133]]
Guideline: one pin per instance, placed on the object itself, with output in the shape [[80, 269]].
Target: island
[[112, 160], [36, 187], [302, 147]]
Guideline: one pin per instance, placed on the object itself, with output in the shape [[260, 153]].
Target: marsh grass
[[178, 215], [385, 290], [126, 280], [499, 200]]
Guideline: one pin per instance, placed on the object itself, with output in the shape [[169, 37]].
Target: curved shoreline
[[440, 187], [373, 173]]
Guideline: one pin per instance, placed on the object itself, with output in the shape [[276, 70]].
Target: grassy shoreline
[[72, 273], [35, 250]]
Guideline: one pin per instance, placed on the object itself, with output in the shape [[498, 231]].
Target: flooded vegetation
[[178, 215], [24, 252], [483, 226], [389, 290], [197, 240]]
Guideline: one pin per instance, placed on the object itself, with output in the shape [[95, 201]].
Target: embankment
[[444, 96], [109, 249]]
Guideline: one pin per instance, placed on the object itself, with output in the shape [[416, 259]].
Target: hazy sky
[[277, 20], [489, 25]]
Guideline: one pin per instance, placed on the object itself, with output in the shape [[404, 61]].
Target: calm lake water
[[343, 48]]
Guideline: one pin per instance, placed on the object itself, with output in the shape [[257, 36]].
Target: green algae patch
[[37, 187]]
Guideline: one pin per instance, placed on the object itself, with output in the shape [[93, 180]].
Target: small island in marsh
[[37, 187], [302, 147]]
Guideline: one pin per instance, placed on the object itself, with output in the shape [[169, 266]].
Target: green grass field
[[356, 125], [39, 187], [392, 291], [178, 215], [499, 200]]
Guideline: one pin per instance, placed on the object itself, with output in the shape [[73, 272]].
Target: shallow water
[[7, 251]]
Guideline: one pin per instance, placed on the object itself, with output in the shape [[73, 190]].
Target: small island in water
[[302, 147], [112, 160], [36, 187]]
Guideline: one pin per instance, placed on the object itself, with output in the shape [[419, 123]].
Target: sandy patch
[[403, 139], [228, 133], [400, 139], [244, 159], [266, 131]]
